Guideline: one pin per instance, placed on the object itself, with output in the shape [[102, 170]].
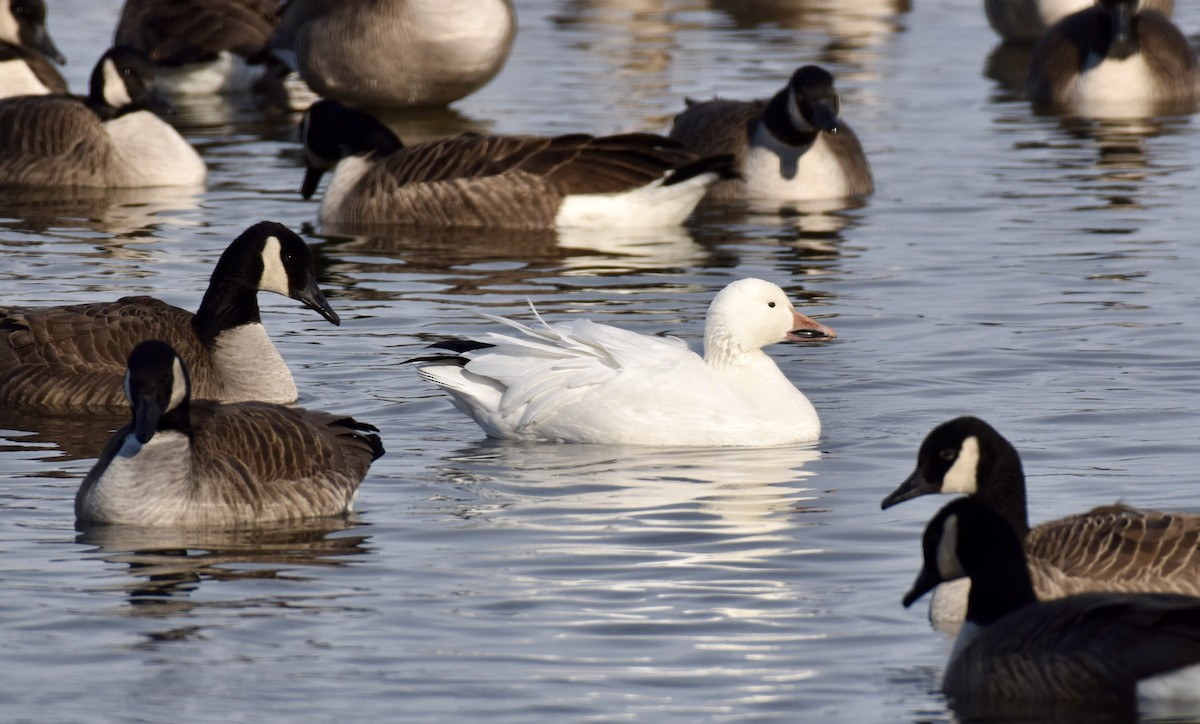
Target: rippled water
[[1038, 273]]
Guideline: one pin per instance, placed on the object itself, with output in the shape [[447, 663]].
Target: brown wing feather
[[74, 357], [1171, 59], [1059, 56], [53, 141], [270, 462], [186, 31], [718, 126], [1117, 548]]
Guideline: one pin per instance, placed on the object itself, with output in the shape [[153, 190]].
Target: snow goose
[[1110, 548], [793, 147], [585, 382], [198, 462], [1100, 650]]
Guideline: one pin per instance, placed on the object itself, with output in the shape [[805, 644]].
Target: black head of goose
[[111, 139], [1116, 58], [182, 462], [1094, 649], [199, 47], [1109, 548], [63, 359], [395, 53], [794, 146], [527, 182], [27, 53]]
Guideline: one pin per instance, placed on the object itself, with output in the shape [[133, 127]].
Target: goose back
[[393, 53], [201, 46]]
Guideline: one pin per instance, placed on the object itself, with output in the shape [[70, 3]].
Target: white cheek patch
[[274, 276], [10, 32], [179, 388], [948, 564], [116, 94], [962, 475]]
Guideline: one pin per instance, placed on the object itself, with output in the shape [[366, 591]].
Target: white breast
[[18, 79], [251, 366], [775, 171], [121, 493], [1115, 88], [343, 186], [152, 153]]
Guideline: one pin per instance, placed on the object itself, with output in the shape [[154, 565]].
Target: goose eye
[[771, 305], [948, 454], [289, 258]]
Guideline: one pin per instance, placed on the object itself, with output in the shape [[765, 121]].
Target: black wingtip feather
[[724, 165]]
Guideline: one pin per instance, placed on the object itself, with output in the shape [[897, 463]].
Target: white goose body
[[592, 383]]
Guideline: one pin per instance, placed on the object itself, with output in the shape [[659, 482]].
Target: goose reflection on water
[[165, 564]]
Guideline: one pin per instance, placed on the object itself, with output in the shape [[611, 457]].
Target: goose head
[[122, 81], [967, 455], [267, 257], [158, 388], [23, 22], [968, 539], [813, 104], [331, 131], [750, 314]]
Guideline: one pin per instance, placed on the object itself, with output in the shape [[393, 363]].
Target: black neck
[[1006, 586], [230, 300], [778, 120], [1004, 488]]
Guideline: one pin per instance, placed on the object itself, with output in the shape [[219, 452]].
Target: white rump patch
[[274, 275], [1179, 685], [962, 477], [651, 205]]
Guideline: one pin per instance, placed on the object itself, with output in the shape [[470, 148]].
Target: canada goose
[[1110, 548], [792, 147], [1094, 649], [1024, 21], [57, 359], [200, 47], [393, 53], [585, 382], [26, 51], [183, 461], [527, 182], [110, 139], [1114, 59]]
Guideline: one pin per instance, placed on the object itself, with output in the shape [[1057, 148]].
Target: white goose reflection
[[747, 498]]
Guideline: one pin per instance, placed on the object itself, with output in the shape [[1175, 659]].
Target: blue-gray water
[[1039, 274]]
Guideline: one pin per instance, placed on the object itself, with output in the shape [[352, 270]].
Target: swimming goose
[[1110, 548], [793, 147], [585, 382], [393, 53], [26, 51], [525, 182], [199, 47], [1093, 649], [1114, 59], [59, 359], [183, 461], [1024, 21], [110, 139]]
